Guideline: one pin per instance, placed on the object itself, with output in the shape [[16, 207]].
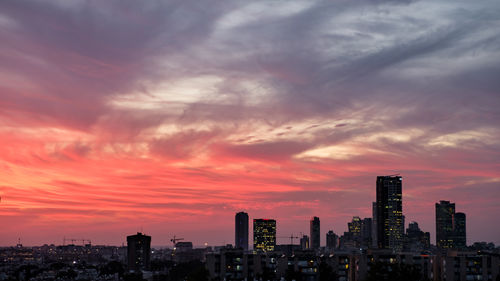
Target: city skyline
[[168, 117], [357, 226]]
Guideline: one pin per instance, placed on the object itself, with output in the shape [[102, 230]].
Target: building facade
[[264, 235], [138, 252]]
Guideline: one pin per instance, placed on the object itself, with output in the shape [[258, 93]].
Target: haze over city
[[168, 117]]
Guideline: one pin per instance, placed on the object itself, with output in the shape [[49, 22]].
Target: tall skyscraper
[[331, 240], [445, 211], [241, 230], [264, 235], [460, 239], [315, 233], [138, 251], [450, 226], [389, 213]]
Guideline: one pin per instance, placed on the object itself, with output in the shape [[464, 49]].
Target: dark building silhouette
[[445, 212], [331, 240], [374, 225], [416, 239], [241, 231], [389, 213], [460, 239], [304, 242], [366, 232], [315, 233], [264, 235], [138, 252]]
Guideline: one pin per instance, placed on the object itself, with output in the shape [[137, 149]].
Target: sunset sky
[[171, 116]]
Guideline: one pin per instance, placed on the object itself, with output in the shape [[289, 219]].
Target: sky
[[168, 117]]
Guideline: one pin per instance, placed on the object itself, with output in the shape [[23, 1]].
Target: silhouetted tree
[[291, 274], [111, 268], [181, 271], [326, 272]]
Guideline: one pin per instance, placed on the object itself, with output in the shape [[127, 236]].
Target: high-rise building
[[138, 251], [264, 235], [315, 233], [389, 213], [445, 211], [331, 240], [241, 231], [304, 242], [450, 226], [460, 239], [355, 228]]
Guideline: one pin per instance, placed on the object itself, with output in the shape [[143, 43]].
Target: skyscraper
[[241, 230], [264, 235], [445, 211], [460, 239], [389, 213], [138, 251], [450, 226], [315, 233]]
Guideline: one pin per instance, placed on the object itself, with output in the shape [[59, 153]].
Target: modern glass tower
[[315, 233], [445, 212], [389, 213], [241, 230], [450, 226], [264, 235]]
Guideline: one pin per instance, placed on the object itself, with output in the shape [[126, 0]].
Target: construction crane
[[174, 240], [291, 237]]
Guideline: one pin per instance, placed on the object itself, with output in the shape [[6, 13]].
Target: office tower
[[304, 242], [241, 231], [138, 251], [445, 211], [390, 227], [460, 238], [331, 240], [264, 235]]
